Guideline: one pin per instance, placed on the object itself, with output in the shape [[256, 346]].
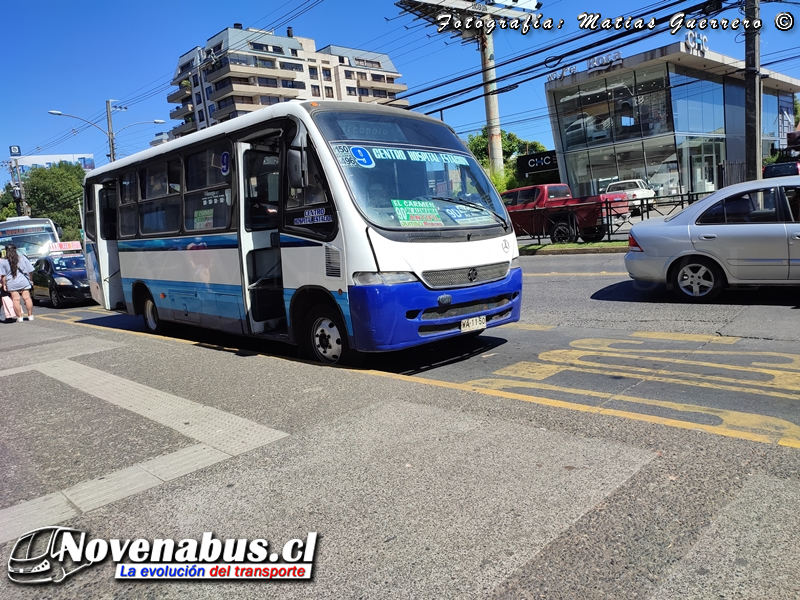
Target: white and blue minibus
[[341, 227]]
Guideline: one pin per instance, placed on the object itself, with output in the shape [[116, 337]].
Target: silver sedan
[[744, 234]]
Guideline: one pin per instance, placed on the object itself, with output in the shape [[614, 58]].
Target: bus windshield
[[410, 173], [30, 244]]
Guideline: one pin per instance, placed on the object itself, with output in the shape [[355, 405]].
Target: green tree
[[55, 192], [512, 146], [8, 207], [796, 111]]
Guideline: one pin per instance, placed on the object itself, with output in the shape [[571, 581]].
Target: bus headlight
[[62, 281], [515, 263], [383, 278]]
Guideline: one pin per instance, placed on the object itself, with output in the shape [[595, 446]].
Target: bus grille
[[466, 276]]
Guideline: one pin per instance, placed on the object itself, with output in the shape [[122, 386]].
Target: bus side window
[[89, 214], [262, 172]]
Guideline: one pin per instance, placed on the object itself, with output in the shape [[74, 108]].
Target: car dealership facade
[[669, 116]]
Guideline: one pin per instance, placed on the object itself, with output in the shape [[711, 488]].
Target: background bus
[[338, 226], [31, 236]]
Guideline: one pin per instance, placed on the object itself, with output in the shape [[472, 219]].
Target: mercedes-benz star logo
[[472, 275], [506, 246]]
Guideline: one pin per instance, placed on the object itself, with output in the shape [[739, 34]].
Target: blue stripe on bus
[[213, 299], [223, 240], [288, 241]]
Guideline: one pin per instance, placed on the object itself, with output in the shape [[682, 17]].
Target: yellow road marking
[[714, 429], [774, 426], [778, 429], [534, 371], [600, 274], [528, 326], [685, 337], [777, 378], [609, 345]]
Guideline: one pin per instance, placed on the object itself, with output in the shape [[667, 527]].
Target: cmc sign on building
[[26, 163], [537, 163]]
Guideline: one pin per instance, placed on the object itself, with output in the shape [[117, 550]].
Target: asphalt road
[[613, 444]]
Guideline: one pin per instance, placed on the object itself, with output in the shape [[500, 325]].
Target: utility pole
[[492, 105], [23, 209], [112, 154], [752, 94]]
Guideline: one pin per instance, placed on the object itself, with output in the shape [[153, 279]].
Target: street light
[[110, 132]]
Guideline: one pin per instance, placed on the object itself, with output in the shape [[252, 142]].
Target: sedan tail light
[[633, 245]]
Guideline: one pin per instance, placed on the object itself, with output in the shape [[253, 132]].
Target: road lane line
[[522, 370], [528, 326], [713, 429], [686, 337], [778, 379], [777, 429]]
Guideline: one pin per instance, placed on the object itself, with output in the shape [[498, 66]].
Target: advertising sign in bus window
[[210, 209]]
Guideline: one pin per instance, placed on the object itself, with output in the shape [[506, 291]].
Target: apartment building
[[241, 70]]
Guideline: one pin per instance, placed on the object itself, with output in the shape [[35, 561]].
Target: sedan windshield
[[410, 173], [69, 263]]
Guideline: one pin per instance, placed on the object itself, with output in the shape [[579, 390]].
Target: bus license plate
[[473, 324]]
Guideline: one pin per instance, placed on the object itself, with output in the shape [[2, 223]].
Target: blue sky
[[74, 57]]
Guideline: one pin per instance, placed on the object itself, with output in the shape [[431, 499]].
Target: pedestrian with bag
[[15, 278]]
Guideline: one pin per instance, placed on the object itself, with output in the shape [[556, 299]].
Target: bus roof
[[282, 109], [24, 222]]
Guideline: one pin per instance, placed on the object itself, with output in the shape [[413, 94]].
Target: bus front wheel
[[152, 322], [325, 337]]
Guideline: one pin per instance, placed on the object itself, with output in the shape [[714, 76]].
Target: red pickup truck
[[550, 209]]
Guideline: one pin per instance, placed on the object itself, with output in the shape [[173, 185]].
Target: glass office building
[[669, 116]]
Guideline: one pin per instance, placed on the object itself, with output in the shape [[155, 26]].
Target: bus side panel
[[199, 278]]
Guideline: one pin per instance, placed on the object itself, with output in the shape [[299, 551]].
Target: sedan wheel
[[55, 301], [697, 279]]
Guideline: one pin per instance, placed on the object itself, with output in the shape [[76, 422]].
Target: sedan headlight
[[62, 281], [388, 278]]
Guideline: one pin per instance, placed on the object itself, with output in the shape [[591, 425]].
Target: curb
[[533, 251]]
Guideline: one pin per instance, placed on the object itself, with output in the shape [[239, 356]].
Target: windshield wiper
[[500, 219]]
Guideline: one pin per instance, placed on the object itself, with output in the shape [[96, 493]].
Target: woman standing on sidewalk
[[15, 276]]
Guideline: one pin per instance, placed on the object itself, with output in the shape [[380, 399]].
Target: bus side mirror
[[297, 160]]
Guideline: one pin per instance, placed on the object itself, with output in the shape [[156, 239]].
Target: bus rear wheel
[[152, 322], [325, 338]]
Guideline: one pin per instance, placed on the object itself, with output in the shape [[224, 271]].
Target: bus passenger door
[[102, 257], [258, 233]]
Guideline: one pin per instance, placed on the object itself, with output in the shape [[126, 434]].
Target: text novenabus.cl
[[50, 554]]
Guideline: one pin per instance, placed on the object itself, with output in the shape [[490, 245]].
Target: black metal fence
[[594, 222]]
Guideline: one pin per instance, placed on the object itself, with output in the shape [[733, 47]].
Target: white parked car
[[744, 234], [637, 190]]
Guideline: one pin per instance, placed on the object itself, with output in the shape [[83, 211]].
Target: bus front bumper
[[392, 317]]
